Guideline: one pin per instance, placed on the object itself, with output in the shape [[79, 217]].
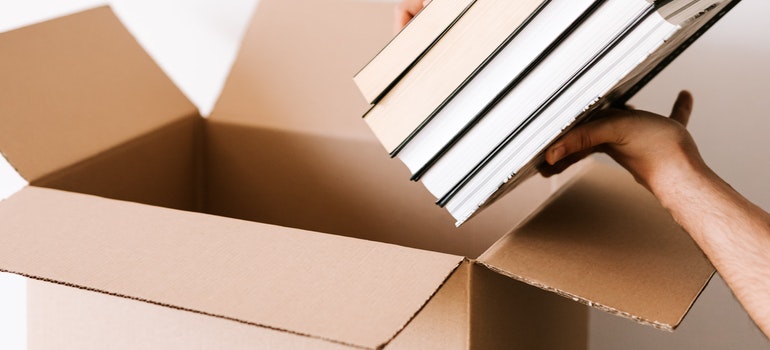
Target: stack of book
[[471, 92]]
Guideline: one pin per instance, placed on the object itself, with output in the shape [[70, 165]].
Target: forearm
[[731, 231], [662, 156]]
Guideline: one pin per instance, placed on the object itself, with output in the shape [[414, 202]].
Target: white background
[[728, 70]]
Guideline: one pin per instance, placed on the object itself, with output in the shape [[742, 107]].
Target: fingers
[[682, 107], [402, 18], [405, 10], [548, 170], [584, 138]]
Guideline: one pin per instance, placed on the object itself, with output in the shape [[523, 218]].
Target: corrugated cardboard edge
[[599, 306], [181, 308], [390, 333], [572, 175], [505, 313], [457, 261]]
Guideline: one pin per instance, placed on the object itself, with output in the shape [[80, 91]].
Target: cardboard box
[[326, 245]]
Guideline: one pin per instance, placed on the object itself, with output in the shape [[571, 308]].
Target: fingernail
[[556, 153]]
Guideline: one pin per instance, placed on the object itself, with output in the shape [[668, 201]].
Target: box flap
[[340, 289], [346, 187], [505, 311], [444, 323], [64, 318], [606, 241], [295, 66], [75, 86]]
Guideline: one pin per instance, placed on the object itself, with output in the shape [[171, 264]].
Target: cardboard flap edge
[[75, 85], [345, 290], [605, 241], [312, 62]]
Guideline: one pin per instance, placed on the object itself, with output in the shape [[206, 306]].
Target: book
[[450, 61], [406, 48], [510, 112], [577, 55], [514, 61], [520, 150]]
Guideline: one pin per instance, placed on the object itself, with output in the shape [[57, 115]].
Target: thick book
[[518, 56], [448, 63], [603, 58], [416, 38], [518, 154], [586, 50]]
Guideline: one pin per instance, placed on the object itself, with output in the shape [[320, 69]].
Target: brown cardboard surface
[[284, 147], [444, 323], [606, 241], [64, 318], [346, 187], [102, 90], [285, 151], [350, 291], [295, 66], [507, 314], [158, 168]]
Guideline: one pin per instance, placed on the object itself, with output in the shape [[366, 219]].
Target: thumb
[[682, 107], [585, 137]]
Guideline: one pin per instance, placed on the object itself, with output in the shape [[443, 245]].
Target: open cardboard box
[[327, 244]]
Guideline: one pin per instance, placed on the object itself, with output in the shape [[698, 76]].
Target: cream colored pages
[[406, 47], [442, 70]]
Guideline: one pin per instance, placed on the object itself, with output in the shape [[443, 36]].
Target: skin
[[660, 153], [663, 157], [405, 11]]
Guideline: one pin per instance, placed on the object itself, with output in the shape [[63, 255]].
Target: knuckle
[[584, 139]]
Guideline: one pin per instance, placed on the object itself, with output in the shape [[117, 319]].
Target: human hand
[[405, 11], [733, 232], [655, 149]]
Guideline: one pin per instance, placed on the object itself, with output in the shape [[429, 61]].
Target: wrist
[[680, 178]]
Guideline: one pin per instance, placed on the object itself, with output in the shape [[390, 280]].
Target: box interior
[[284, 145], [307, 163], [276, 149]]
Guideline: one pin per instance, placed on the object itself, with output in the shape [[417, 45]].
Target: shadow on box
[[346, 187], [244, 169]]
